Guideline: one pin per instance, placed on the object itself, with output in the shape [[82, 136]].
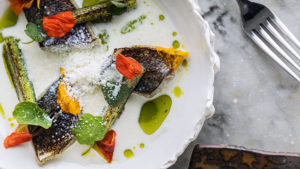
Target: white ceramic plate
[[182, 125]]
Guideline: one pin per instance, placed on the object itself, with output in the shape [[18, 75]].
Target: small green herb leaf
[[31, 113], [104, 36], [114, 93], [8, 19], [116, 8], [36, 31], [89, 129]]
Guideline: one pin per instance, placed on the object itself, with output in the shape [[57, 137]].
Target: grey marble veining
[[257, 103]]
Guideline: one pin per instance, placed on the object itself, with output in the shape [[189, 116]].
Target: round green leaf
[[31, 113], [89, 129]]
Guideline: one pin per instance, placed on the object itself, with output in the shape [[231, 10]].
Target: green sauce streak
[[177, 92], [176, 44], [128, 153], [161, 17], [8, 19], [174, 34], [184, 63], [2, 112], [142, 145], [132, 25], [153, 113], [12, 125]]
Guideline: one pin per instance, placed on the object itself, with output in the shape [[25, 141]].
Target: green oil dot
[[177, 92], [153, 113], [2, 112], [12, 125], [176, 44], [161, 17], [134, 147], [142, 145], [184, 63], [151, 23], [174, 34], [128, 153], [10, 119]]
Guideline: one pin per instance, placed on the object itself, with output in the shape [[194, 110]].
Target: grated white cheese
[[87, 69]]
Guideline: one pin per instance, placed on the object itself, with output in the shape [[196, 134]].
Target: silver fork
[[266, 30]]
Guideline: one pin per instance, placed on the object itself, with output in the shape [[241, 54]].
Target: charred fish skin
[[49, 143], [14, 61], [80, 36], [156, 69]]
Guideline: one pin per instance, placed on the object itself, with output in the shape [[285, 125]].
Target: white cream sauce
[[43, 68]]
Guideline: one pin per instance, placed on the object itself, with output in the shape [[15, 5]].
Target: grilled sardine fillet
[[48, 143], [80, 36], [156, 69]]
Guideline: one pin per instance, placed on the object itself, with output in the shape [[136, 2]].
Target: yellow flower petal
[[172, 57]]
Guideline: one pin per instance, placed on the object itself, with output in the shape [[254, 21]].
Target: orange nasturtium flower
[[106, 147], [128, 66], [59, 25], [18, 5]]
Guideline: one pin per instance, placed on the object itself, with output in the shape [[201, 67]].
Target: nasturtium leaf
[[8, 19], [114, 93], [36, 31], [89, 129], [31, 113], [92, 2]]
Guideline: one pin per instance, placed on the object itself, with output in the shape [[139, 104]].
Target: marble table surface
[[257, 103]]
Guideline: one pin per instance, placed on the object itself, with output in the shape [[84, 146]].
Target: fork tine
[[263, 46], [268, 38], [277, 35], [285, 30]]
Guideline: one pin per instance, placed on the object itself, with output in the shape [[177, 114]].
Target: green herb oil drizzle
[[184, 63], [153, 113], [142, 145], [2, 112], [128, 153], [132, 25], [177, 92], [176, 44], [161, 17]]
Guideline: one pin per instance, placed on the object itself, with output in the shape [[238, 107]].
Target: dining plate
[[187, 114]]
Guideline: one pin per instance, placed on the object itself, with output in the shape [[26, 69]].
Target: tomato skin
[[16, 138]]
